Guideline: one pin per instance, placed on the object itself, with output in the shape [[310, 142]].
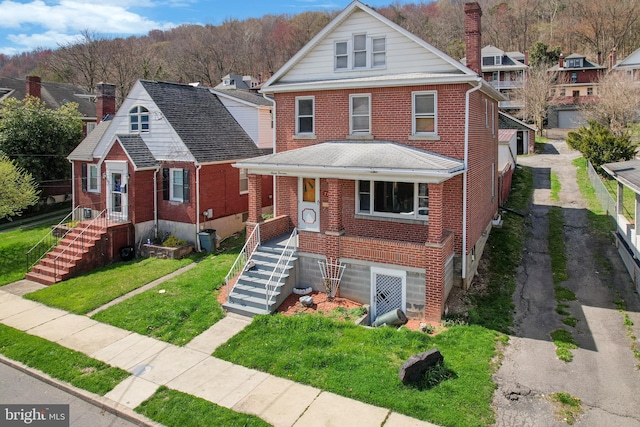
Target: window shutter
[[165, 183], [84, 177], [186, 186]]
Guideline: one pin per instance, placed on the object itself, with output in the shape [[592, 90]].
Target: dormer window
[[574, 63], [492, 60], [138, 119], [360, 52]]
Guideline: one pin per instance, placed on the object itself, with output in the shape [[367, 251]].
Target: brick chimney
[[526, 57], [105, 100], [33, 86], [599, 58], [473, 36], [613, 57], [561, 61]]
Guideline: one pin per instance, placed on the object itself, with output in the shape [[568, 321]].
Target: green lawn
[[187, 308], [13, 247], [84, 293], [599, 220], [59, 362], [175, 409], [363, 364], [629, 197]]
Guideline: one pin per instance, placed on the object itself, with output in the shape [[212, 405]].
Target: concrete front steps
[[248, 297], [69, 252]]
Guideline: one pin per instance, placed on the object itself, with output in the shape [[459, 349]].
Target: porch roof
[[358, 160], [627, 173], [137, 150]]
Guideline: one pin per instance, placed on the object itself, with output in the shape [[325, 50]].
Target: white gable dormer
[[362, 44]]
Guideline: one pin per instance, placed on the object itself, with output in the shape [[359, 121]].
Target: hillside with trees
[[195, 53]]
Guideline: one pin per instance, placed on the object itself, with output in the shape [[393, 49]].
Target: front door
[[117, 191], [309, 204]]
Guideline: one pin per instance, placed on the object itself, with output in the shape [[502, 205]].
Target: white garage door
[[570, 120]]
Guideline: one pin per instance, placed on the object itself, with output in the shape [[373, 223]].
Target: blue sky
[[29, 24]]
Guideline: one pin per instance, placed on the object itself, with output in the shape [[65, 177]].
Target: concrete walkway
[[192, 370]]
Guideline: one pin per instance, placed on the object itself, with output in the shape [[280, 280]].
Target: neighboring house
[[505, 71], [385, 163], [627, 240], [236, 81], [525, 133], [163, 165], [576, 84], [630, 65], [54, 96], [507, 161], [253, 111]]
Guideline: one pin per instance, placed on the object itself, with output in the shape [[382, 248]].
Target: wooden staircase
[[65, 260], [249, 295]]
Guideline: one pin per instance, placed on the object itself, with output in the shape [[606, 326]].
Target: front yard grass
[[176, 409], [13, 247], [363, 364], [187, 307], [59, 362], [84, 293]]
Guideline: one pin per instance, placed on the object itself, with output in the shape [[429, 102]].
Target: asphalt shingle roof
[[138, 151], [202, 122], [84, 150], [628, 173], [383, 155], [244, 95]]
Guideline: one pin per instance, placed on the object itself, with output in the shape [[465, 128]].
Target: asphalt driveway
[[603, 373]]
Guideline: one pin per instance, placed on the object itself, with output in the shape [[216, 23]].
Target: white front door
[[309, 204], [388, 291], [117, 190]]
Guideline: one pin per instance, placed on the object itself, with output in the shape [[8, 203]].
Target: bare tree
[[617, 103], [537, 94]]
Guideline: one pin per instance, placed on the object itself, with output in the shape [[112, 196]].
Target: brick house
[[385, 162], [161, 165]]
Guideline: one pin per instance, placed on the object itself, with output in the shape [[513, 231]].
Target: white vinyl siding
[[163, 141], [403, 55]]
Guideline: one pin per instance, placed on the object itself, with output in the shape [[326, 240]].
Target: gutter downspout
[[73, 186], [155, 202], [273, 194], [464, 181], [198, 248]]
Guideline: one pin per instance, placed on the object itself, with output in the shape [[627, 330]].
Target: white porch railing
[[245, 255], [40, 249], [281, 267]]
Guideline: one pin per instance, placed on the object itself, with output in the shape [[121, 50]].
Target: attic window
[[574, 63], [139, 119], [360, 52]]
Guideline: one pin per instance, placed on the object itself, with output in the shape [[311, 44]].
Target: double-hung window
[[139, 119], [424, 113], [304, 115], [359, 51], [342, 56], [378, 52], [93, 179], [360, 114], [176, 185], [244, 181], [393, 199]]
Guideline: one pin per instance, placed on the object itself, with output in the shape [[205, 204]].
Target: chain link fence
[[606, 200]]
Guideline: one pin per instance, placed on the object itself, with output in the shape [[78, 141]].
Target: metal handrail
[[79, 241], [253, 241], [40, 249], [280, 268]]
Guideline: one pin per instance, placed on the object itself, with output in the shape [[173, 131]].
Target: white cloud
[[60, 21]]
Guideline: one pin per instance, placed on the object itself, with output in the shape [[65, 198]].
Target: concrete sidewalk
[[192, 370]]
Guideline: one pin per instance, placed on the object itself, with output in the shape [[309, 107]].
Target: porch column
[[434, 285], [436, 212], [255, 199], [334, 221], [636, 211], [620, 199]]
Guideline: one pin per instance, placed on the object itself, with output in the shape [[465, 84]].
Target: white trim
[[313, 115], [97, 169], [372, 213], [173, 198], [341, 18], [435, 113], [351, 115]]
